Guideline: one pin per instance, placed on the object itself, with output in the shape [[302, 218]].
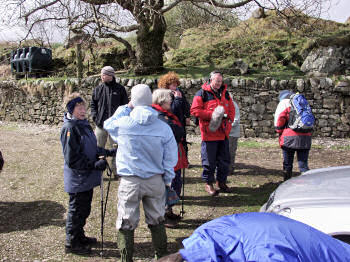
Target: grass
[[33, 203]]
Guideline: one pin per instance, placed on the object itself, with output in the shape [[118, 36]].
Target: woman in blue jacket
[[82, 172]]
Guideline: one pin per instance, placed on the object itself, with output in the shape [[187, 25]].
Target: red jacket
[[288, 138], [175, 124], [203, 105]]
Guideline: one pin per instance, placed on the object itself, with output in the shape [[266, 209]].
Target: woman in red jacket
[[291, 141], [161, 101]]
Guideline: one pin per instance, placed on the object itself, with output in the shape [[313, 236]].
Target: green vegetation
[[256, 144], [270, 46]]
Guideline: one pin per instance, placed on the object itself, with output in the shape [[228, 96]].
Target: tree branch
[[37, 9]]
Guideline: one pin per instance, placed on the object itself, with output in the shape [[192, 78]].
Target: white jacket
[[146, 144]]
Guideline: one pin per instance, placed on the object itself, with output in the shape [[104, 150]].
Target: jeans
[[302, 156]]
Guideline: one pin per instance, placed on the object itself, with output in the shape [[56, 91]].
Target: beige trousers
[[132, 191]]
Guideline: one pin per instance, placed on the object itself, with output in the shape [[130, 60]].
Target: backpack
[[301, 118]]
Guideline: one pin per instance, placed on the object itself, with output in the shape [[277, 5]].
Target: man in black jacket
[[106, 98]]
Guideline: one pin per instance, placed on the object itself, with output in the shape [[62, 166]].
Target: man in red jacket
[[214, 108], [291, 141]]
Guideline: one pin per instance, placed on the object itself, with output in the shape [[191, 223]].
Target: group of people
[[149, 131]]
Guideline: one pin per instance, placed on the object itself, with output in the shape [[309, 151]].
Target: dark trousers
[[79, 208], [215, 156], [176, 184], [302, 156]]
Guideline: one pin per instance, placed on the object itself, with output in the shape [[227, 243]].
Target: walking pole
[[183, 193], [104, 207], [102, 216]]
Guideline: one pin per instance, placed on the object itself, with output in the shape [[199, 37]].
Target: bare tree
[[115, 18]]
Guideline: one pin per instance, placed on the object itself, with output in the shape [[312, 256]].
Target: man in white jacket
[[146, 157], [233, 138]]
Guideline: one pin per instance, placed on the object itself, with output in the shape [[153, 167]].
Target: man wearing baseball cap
[[106, 98]]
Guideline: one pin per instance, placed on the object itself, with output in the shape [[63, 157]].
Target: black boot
[[88, 240], [78, 249], [287, 175]]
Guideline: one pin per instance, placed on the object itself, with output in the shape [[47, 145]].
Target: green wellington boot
[[159, 240], [126, 244]]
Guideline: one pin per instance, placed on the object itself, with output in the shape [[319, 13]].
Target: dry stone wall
[[41, 102]]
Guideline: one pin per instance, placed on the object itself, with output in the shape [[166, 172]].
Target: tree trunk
[[79, 60], [149, 47]]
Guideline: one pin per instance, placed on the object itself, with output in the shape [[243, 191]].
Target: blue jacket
[[146, 144], [261, 237], [80, 152]]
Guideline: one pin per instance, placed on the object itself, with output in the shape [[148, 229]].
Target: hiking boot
[[287, 175], [171, 215], [210, 189], [223, 187], [88, 240], [170, 223], [78, 249]]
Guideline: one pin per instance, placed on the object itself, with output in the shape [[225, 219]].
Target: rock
[[300, 85], [284, 84], [241, 66], [258, 13], [343, 87], [234, 82], [188, 84], [274, 83], [252, 116], [322, 123], [258, 108], [249, 133], [130, 82], [328, 60], [271, 106]]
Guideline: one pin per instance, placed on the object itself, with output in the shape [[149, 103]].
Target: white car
[[319, 198]]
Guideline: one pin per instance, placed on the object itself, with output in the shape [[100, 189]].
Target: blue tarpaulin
[[261, 237]]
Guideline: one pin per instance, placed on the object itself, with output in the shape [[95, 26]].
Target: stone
[[241, 66], [300, 85], [258, 13], [328, 60], [258, 108], [149, 82], [265, 123], [343, 127], [271, 106], [329, 103], [343, 87], [322, 123], [249, 133], [188, 84], [130, 83], [248, 99], [284, 84], [234, 83], [252, 116], [274, 83], [317, 96]]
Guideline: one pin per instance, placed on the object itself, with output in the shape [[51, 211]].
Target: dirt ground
[[33, 204]]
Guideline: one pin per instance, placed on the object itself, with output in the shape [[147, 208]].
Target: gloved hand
[[100, 164], [111, 152]]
